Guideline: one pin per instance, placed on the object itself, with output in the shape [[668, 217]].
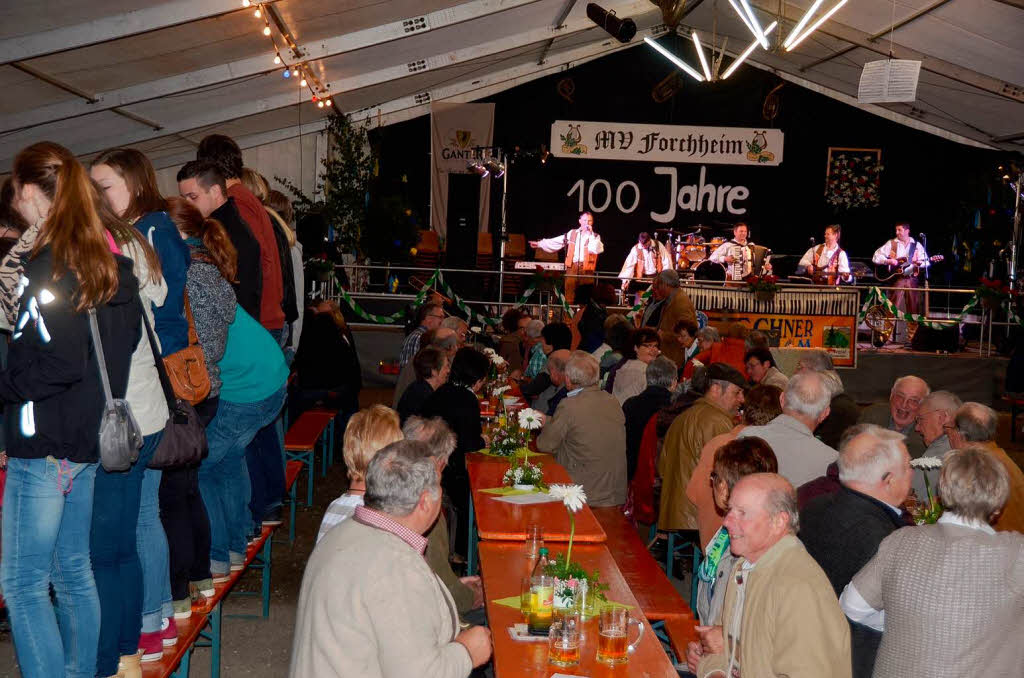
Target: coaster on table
[[521, 632]]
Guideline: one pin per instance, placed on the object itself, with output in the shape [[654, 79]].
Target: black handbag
[[184, 439]]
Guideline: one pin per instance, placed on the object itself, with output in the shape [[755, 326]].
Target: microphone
[[922, 236], [813, 241]]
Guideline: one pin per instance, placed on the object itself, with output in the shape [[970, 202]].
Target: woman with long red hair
[[53, 391]]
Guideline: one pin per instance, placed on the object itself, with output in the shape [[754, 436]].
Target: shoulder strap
[[158, 360], [893, 248], [97, 343], [193, 336]]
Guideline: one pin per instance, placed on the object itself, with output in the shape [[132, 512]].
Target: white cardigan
[[144, 394]]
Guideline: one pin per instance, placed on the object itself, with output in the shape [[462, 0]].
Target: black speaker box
[[946, 340], [463, 220]]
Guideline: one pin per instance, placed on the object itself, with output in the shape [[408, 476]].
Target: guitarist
[[827, 264], [898, 251]]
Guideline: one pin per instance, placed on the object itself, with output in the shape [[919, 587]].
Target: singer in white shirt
[[582, 246], [827, 260], [906, 248]]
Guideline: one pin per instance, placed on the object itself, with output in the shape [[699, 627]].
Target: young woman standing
[[54, 400]]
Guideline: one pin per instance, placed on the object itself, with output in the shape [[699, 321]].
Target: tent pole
[[503, 235], [1015, 244]]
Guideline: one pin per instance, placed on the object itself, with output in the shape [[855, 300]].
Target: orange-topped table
[[502, 521], [502, 567]]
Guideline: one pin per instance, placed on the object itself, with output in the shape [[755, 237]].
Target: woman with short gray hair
[[959, 571]]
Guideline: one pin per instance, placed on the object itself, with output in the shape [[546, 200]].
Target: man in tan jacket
[[391, 617], [781, 616], [587, 434], [710, 416], [668, 306]]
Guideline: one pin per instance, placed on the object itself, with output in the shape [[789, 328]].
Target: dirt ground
[[255, 647]]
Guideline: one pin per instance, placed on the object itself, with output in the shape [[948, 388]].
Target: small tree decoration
[[570, 578], [525, 476], [929, 512]]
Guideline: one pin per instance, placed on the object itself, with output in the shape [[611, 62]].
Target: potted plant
[[764, 287], [992, 293], [930, 511], [571, 579], [524, 476]]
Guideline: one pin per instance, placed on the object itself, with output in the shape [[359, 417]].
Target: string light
[[302, 83], [319, 104], [246, 3], [277, 59], [287, 73], [266, 30], [295, 71], [330, 102], [257, 13], [308, 79]]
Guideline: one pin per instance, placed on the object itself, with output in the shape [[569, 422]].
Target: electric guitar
[[902, 269]]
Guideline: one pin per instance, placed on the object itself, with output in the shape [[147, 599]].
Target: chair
[[682, 547]]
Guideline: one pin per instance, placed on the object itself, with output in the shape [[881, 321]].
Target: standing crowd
[[800, 504], [184, 309]]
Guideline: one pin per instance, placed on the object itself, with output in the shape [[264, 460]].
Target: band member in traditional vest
[[902, 249], [827, 264], [582, 246], [646, 259], [736, 255]]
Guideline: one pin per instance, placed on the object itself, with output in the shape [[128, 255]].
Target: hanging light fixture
[[742, 57], [746, 21], [700, 55], [803, 22], [755, 24], [815, 26], [674, 59]]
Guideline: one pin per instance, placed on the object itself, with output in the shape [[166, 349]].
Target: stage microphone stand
[[927, 278]]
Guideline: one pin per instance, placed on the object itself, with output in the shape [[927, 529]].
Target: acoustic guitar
[[902, 269]]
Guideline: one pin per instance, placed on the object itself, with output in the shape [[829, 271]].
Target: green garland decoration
[[875, 296]]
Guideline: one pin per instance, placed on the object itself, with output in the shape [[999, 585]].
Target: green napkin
[[507, 491], [522, 452], [513, 601]]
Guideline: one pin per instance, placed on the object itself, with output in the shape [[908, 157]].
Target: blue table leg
[[215, 642], [182, 670], [311, 474], [471, 540], [266, 577], [330, 450], [322, 444]]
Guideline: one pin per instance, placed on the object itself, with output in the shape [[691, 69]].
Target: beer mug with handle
[[613, 645]]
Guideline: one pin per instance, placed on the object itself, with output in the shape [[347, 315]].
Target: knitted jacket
[[213, 309]]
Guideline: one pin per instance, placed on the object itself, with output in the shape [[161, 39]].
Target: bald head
[[762, 510], [445, 339], [874, 461], [556, 366], [935, 414], [975, 423]]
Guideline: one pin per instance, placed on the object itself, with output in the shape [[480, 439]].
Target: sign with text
[[666, 143], [836, 334]]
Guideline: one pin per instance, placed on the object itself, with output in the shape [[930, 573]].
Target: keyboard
[[543, 265]]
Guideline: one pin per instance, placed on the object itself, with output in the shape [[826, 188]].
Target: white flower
[[572, 496], [501, 389], [530, 419], [926, 463], [496, 359], [488, 350], [475, 329]]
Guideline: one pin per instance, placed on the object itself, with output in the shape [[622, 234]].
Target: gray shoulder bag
[[120, 438]]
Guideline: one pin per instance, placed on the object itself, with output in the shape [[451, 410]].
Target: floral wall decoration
[[853, 177]]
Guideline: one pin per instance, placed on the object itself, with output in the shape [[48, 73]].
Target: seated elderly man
[[536, 358], [441, 338], [587, 434], [553, 338], [843, 410], [948, 597], [842, 530], [392, 618], [780, 617], [805, 403], [900, 413], [761, 368], [547, 400], [934, 418], [975, 425], [459, 326], [638, 410]]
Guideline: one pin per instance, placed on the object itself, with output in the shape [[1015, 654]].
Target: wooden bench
[[680, 631], [658, 598], [302, 439], [291, 473]]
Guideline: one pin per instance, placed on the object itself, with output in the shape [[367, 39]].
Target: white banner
[[666, 143], [457, 131]]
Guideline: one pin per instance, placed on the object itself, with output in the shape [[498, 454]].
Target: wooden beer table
[[504, 564]]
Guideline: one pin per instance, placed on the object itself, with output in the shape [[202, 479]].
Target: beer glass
[[526, 596], [542, 598], [613, 645], [564, 642], [534, 540]]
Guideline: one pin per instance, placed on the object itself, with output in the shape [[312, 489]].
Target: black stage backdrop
[[940, 186]]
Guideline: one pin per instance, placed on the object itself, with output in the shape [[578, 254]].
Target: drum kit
[[691, 252]]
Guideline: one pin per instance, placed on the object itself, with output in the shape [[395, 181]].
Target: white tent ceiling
[[159, 75]]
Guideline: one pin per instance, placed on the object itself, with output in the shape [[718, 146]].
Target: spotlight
[[622, 30], [495, 167], [477, 167]]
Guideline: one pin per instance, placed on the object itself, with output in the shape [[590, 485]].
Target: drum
[[679, 256], [696, 253], [715, 242], [709, 270]]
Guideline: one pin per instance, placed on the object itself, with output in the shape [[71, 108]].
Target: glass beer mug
[[564, 641], [613, 645]]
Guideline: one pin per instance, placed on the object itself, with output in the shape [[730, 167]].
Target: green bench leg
[[182, 670], [330, 449], [266, 576], [291, 512], [215, 641], [471, 540]]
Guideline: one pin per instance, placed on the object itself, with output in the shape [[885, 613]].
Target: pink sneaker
[[151, 645], [169, 632]]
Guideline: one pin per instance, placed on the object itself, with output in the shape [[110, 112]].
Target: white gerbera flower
[[572, 496], [530, 419], [496, 359], [927, 463], [501, 389], [488, 350], [475, 329]]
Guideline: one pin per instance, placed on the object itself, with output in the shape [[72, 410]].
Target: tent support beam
[[929, 63], [559, 24], [888, 29]]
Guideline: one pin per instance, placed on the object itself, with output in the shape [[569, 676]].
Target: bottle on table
[[542, 595]]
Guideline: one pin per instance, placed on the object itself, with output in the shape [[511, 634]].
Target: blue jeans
[[224, 475], [116, 561], [151, 543], [47, 514]]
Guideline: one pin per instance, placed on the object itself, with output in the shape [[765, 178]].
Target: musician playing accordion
[[739, 256]]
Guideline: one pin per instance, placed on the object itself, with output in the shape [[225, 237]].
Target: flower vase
[[523, 487]]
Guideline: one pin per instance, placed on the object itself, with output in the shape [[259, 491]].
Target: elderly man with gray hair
[[805, 404], [668, 306], [948, 597], [842, 530], [934, 419], [587, 434], [780, 617], [392, 618], [900, 413], [843, 410], [975, 424]]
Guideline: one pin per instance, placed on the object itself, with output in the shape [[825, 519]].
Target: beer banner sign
[[666, 143], [457, 133]]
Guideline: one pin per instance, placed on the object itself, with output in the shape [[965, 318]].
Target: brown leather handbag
[[186, 369]]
